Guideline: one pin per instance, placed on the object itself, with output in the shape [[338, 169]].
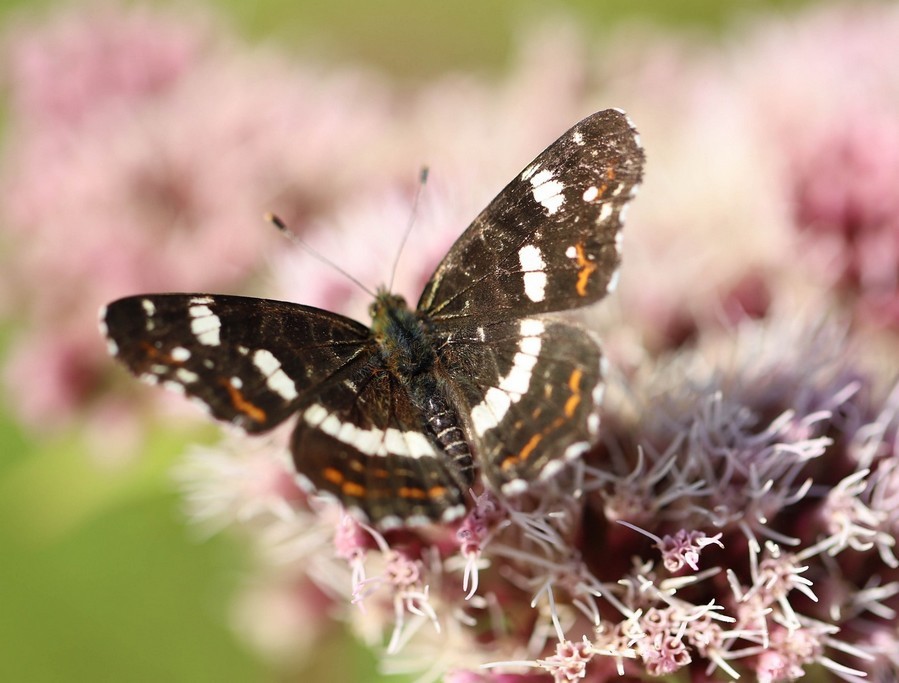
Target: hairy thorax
[[408, 353]]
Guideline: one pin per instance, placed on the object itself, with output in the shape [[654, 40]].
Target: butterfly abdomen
[[444, 424]]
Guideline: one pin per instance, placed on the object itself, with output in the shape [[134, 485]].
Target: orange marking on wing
[[509, 462], [610, 175], [409, 492], [156, 355], [574, 383], [530, 446], [437, 492], [332, 475], [585, 269], [353, 489], [252, 411]]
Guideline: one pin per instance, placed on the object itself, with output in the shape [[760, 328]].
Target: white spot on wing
[[519, 378], [531, 258], [375, 441], [591, 193], [205, 325], [148, 306], [452, 513], [531, 327], [186, 376], [578, 138], [498, 400], [180, 354], [515, 487], [174, 386], [266, 362], [547, 191], [530, 346], [275, 378], [314, 415], [571, 252], [532, 263], [605, 212]]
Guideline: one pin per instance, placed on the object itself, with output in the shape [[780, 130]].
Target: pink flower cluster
[[738, 517], [143, 150]]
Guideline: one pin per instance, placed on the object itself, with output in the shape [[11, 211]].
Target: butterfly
[[401, 419]]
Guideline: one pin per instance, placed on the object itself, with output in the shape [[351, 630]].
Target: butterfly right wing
[[249, 361]]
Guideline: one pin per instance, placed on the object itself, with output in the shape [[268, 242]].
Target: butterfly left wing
[[248, 361], [363, 441]]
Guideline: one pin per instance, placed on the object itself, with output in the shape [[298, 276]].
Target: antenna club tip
[[275, 220], [423, 175]]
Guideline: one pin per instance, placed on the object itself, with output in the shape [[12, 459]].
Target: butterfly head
[[386, 310], [405, 347]]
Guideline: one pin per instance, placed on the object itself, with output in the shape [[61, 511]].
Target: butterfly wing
[[549, 241], [249, 361], [256, 362], [531, 390], [363, 441]]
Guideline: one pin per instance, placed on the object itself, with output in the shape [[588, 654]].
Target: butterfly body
[[397, 420]]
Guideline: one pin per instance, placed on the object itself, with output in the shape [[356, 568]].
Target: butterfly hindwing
[[549, 241], [530, 389], [249, 361], [363, 441]]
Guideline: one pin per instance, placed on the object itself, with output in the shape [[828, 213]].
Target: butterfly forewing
[[249, 361], [549, 241]]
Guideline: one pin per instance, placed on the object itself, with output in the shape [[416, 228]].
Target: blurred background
[[142, 142]]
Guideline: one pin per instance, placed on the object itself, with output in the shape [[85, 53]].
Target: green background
[[101, 579]]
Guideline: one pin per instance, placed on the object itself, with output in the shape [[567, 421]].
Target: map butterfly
[[398, 421]]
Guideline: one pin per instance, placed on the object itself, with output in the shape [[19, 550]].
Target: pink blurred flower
[[97, 57], [154, 174], [748, 454], [848, 209]]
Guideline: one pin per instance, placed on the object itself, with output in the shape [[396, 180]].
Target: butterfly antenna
[[422, 180], [299, 241]]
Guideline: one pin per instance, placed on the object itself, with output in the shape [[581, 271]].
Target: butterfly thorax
[[407, 351], [405, 345]]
